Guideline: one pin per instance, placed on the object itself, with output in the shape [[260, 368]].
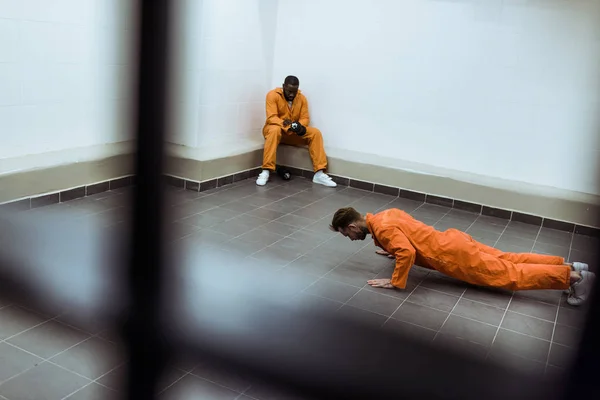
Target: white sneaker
[[577, 267], [581, 289], [263, 178], [323, 179]]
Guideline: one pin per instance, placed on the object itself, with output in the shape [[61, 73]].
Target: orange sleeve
[[395, 242], [273, 111], [304, 115]]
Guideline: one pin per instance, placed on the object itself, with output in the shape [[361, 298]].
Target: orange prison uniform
[[274, 132], [456, 254]]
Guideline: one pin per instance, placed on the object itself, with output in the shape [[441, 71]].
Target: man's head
[[349, 223], [290, 87]]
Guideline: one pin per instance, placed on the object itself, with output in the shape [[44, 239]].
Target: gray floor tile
[[528, 325], [482, 234], [552, 249], [555, 237], [533, 308], [266, 213], [262, 391], [444, 284], [333, 290], [49, 339], [311, 303], [585, 243], [312, 264], [517, 242], [313, 212], [567, 336], [470, 330], [524, 346], [260, 236], [571, 316], [561, 356], [91, 358], [515, 362], [462, 346], [178, 230], [94, 391], [275, 255], [405, 205], [522, 230], [238, 225], [551, 297], [116, 379], [490, 224], [362, 317], [208, 218], [203, 238], [14, 361], [433, 299], [413, 331], [239, 206], [351, 274], [479, 311], [279, 228], [294, 220], [14, 319], [46, 381], [375, 302], [420, 315], [221, 376], [191, 387]]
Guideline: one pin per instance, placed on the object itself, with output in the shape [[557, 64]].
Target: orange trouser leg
[[314, 139], [520, 258], [272, 134], [465, 261]]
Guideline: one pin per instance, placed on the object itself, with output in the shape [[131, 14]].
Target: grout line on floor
[[451, 313], [351, 297], [552, 338], [571, 247], [186, 373]]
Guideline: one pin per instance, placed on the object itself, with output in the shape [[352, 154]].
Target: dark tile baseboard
[[459, 204], [196, 186], [67, 195]]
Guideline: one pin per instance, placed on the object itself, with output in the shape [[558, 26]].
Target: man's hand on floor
[[381, 283], [384, 253]]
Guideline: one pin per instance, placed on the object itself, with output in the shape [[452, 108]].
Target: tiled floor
[[281, 230]]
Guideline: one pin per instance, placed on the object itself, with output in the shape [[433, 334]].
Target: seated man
[[456, 254], [287, 122]]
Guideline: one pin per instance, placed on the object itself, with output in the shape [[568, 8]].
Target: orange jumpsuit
[[274, 132], [456, 254]]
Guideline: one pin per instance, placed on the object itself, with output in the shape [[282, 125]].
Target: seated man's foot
[[263, 178], [577, 267], [323, 179], [581, 289]]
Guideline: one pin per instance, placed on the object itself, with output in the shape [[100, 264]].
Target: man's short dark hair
[[291, 80], [344, 217]]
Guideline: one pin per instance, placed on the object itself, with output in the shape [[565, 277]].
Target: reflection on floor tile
[[280, 235]]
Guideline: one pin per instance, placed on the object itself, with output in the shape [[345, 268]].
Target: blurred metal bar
[[583, 375], [147, 351]]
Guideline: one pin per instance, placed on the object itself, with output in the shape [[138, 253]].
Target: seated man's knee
[[313, 131], [273, 131]]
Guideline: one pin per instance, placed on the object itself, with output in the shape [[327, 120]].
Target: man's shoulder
[[274, 92]]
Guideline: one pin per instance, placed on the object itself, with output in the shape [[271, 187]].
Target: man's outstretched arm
[[396, 243]]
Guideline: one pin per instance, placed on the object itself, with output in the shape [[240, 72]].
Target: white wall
[[65, 74], [502, 88], [224, 55]]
